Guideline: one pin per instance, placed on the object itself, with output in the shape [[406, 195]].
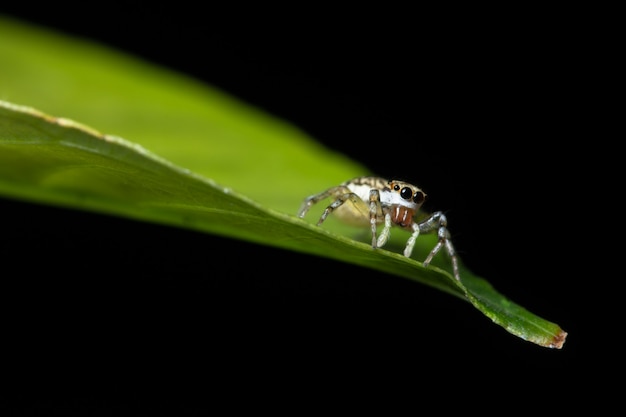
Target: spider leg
[[374, 207], [437, 221], [316, 198], [338, 202], [341, 194], [408, 250], [384, 233]]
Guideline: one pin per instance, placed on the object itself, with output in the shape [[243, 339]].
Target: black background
[[483, 113]]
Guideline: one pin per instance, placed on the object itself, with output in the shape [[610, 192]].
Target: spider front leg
[[384, 233], [437, 222]]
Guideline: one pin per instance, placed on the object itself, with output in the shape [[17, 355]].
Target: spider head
[[403, 194], [404, 199]]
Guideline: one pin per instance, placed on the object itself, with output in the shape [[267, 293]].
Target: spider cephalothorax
[[373, 201]]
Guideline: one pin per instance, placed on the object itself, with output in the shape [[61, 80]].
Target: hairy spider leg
[[386, 230], [408, 249], [437, 221], [338, 202], [342, 194], [316, 198], [374, 206]]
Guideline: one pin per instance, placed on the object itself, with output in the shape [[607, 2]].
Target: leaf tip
[[558, 340]]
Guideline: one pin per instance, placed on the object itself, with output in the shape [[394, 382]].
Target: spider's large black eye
[[419, 197], [406, 193]]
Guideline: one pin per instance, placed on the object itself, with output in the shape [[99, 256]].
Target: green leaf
[[198, 159]]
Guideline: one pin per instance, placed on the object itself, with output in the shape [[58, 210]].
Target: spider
[[390, 202]]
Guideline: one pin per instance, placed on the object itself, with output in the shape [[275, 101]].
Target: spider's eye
[[406, 193], [396, 187], [419, 197]]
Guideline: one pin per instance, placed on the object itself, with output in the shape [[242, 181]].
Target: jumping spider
[[376, 200]]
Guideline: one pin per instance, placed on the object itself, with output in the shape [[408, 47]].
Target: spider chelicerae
[[377, 201]]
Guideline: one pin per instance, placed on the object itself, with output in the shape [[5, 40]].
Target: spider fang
[[373, 201]]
